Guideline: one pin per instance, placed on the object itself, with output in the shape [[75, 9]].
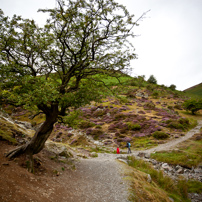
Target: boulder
[[141, 154], [166, 167], [149, 179], [180, 171], [58, 149]]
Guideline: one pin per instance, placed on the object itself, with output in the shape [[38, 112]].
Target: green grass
[[188, 155], [8, 131], [143, 143], [5, 135], [195, 92], [178, 191], [194, 186]]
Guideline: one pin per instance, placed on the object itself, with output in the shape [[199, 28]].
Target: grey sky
[[170, 45]]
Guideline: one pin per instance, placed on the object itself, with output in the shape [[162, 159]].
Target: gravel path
[[98, 180], [171, 144], [101, 179]]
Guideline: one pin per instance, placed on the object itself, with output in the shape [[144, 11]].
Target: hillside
[[145, 114], [195, 91]]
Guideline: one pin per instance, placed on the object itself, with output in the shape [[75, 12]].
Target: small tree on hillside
[[152, 80], [193, 105], [172, 87], [51, 69]]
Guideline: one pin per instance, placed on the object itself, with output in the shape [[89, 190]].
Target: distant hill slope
[[194, 91]]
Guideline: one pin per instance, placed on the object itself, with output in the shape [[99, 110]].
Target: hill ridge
[[193, 87]]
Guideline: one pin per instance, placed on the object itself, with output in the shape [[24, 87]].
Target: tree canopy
[[193, 105], [152, 80], [80, 39]]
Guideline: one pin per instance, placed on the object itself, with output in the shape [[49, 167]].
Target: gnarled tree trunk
[[37, 142]]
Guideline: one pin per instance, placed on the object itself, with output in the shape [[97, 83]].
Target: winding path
[[101, 179]]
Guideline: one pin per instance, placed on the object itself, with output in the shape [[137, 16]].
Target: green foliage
[[176, 125], [152, 80], [189, 155], [96, 133], [149, 106], [66, 63], [160, 135], [123, 99], [6, 136], [182, 124], [193, 105], [85, 124], [155, 94], [9, 131], [73, 119], [144, 142], [195, 91], [177, 191], [172, 87], [132, 126], [194, 186]]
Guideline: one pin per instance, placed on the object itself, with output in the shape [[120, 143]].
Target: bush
[[176, 125], [160, 135], [119, 116], [132, 126], [85, 124], [155, 94], [96, 133], [73, 118], [193, 105], [182, 124], [131, 94], [172, 87], [149, 106], [152, 80]]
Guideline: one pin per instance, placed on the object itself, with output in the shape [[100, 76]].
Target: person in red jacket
[[117, 151]]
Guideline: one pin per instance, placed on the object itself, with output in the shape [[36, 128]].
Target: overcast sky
[[170, 42]]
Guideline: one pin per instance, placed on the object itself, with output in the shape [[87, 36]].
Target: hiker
[[117, 151], [128, 145]]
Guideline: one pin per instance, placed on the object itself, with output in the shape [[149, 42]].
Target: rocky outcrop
[[173, 171]]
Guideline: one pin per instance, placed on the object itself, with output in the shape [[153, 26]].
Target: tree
[[51, 69], [193, 105], [152, 80], [172, 87]]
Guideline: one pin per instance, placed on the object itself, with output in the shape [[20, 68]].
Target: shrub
[[176, 125], [112, 127], [184, 122], [193, 105], [133, 83], [132, 126], [155, 94], [96, 133], [99, 113], [172, 87], [150, 88], [178, 106], [73, 118], [131, 94], [123, 100], [152, 80], [149, 106], [119, 116], [85, 124], [160, 135]]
